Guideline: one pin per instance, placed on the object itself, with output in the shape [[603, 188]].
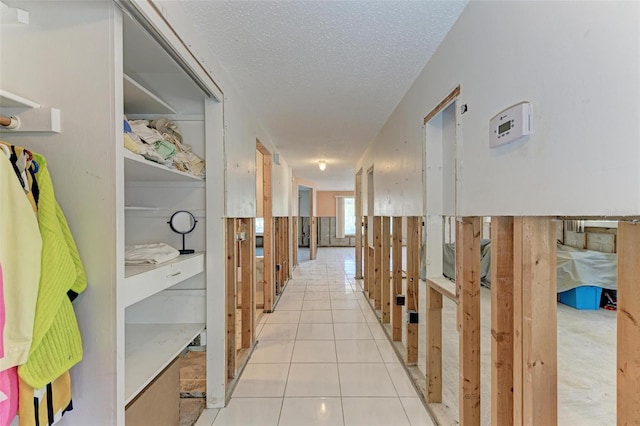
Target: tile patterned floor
[[322, 359]]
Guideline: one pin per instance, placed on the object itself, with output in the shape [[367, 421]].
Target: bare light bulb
[[322, 165]]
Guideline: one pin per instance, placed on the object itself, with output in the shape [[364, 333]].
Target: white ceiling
[[322, 77]]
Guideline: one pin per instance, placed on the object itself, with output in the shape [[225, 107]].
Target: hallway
[[322, 359]]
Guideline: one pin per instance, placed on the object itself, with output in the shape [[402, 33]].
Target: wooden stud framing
[[231, 269], [443, 104], [535, 380], [396, 286], [278, 253], [434, 345], [358, 208], [295, 240], [247, 262], [628, 400], [268, 234], [468, 232], [313, 242], [386, 270], [377, 270], [414, 227], [502, 321], [285, 251], [367, 277], [371, 271]]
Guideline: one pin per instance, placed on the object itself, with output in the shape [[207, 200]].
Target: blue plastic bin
[[584, 297]]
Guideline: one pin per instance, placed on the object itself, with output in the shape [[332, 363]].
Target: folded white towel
[[149, 253]]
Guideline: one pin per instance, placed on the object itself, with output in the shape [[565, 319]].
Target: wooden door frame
[[267, 239], [358, 212]]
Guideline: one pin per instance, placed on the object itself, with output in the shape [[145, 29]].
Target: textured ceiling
[[322, 77]]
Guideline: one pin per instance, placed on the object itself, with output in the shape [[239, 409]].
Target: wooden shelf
[[139, 100], [443, 286], [142, 281], [141, 208], [150, 348], [139, 169], [11, 100]]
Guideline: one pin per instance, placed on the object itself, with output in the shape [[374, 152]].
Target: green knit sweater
[[56, 345]]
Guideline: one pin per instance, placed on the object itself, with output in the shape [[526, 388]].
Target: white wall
[[577, 62], [241, 131], [82, 163]]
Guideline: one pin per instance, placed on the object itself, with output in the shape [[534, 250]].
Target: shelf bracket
[[44, 119], [13, 15]]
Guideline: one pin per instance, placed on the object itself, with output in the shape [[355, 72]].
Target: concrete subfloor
[[586, 363]]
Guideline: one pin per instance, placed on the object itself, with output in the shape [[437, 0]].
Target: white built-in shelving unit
[[97, 62], [157, 325]]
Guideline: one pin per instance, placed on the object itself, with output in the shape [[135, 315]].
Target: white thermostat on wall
[[510, 124]]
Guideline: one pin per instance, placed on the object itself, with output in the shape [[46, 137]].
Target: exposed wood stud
[[313, 243], [502, 321], [231, 268], [386, 270], [468, 232], [268, 234], [247, 262], [396, 282], [377, 270], [358, 212], [442, 105], [443, 286], [535, 322], [367, 276], [414, 227], [628, 326], [371, 271], [434, 346], [285, 250], [295, 240]]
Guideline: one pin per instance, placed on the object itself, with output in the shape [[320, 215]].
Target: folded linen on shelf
[[149, 253]]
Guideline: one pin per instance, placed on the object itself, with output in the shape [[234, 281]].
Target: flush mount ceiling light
[[322, 165]]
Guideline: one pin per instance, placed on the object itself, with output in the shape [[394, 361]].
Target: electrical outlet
[[400, 299], [412, 317]]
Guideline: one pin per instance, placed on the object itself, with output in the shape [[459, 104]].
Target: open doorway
[[304, 223], [307, 227]]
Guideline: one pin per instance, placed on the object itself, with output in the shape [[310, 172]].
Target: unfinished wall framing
[[240, 293]]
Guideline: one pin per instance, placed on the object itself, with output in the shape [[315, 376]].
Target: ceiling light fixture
[[322, 165]]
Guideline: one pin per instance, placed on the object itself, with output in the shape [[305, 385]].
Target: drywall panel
[[364, 164], [241, 129], [240, 158], [81, 81], [577, 63], [397, 156]]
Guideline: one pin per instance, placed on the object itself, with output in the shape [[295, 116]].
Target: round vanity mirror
[[183, 222]]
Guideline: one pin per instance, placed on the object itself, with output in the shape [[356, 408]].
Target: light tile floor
[[322, 359]]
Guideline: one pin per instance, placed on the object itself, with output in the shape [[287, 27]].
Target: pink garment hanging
[[2, 315], [8, 395]]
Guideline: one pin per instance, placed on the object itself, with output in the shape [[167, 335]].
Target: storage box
[[584, 297]]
